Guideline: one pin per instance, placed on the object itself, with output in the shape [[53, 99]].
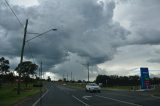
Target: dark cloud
[[85, 28], [87, 32]]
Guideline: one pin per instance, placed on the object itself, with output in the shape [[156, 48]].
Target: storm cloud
[[87, 31], [84, 27]]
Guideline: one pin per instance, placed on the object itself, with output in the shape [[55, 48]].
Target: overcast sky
[[114, 36]]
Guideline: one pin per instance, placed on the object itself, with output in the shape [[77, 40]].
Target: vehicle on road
[[64, 84], [92, 87]]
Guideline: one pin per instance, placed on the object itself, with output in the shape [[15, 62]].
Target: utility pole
[[39, 73], [41, 70], [22, 52], [63, 77], [87, 66], [88, 70], [41, 82], [71, 76], [67, 76]]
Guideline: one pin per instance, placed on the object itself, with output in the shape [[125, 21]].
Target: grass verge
[[76, 85], [156, 92], [72, 85], [121, 88], [82, 86], [9, 97]]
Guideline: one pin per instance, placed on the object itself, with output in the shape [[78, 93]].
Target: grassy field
[[156, 92], [76, 85], [72, 85], [82, 85], [121, 87], [8, 94]]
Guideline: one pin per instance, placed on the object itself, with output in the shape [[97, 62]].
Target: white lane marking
[[80, 100], [121, 95], [40, 98], [118, 100], [86, 97], [155, 97]]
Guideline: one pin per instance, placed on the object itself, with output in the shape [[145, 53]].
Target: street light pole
[[22, 52]]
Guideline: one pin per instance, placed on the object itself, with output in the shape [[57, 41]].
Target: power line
[[7, 6], [13, 12], [21, 25], [1, 4], [31, 52]]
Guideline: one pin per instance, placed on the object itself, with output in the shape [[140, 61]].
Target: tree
[[10, 77], [114, 80], [26, 68], [104, 79], [4, 65], [49, 79]]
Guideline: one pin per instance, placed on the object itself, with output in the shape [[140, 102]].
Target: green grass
[[8, 94], [72, 85], [82, 85], [156, 92], [122, 87], [76, 85]]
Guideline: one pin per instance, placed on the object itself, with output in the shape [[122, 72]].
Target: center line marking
[[80, 100], [118, 100]]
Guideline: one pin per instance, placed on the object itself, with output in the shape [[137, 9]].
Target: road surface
[[57, 95]]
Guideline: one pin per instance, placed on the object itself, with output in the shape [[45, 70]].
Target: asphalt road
[[57, 95]]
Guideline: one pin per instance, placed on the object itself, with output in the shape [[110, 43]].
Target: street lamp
[[22, 50], [40, 34]]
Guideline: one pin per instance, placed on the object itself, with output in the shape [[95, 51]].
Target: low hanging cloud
[[77, 67]]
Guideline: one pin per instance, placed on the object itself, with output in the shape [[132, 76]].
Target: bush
[[37, 85]]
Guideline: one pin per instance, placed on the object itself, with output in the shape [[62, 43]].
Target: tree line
[[27, 68], [115, 80]]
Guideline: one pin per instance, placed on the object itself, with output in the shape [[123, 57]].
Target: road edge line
[[157, 97], [80, 100], [35, 103], [118, 100]]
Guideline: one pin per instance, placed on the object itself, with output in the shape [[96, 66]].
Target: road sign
[[145, 80]]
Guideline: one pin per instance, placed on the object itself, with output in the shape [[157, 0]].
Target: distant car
[[93, 87], [64, 84]]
